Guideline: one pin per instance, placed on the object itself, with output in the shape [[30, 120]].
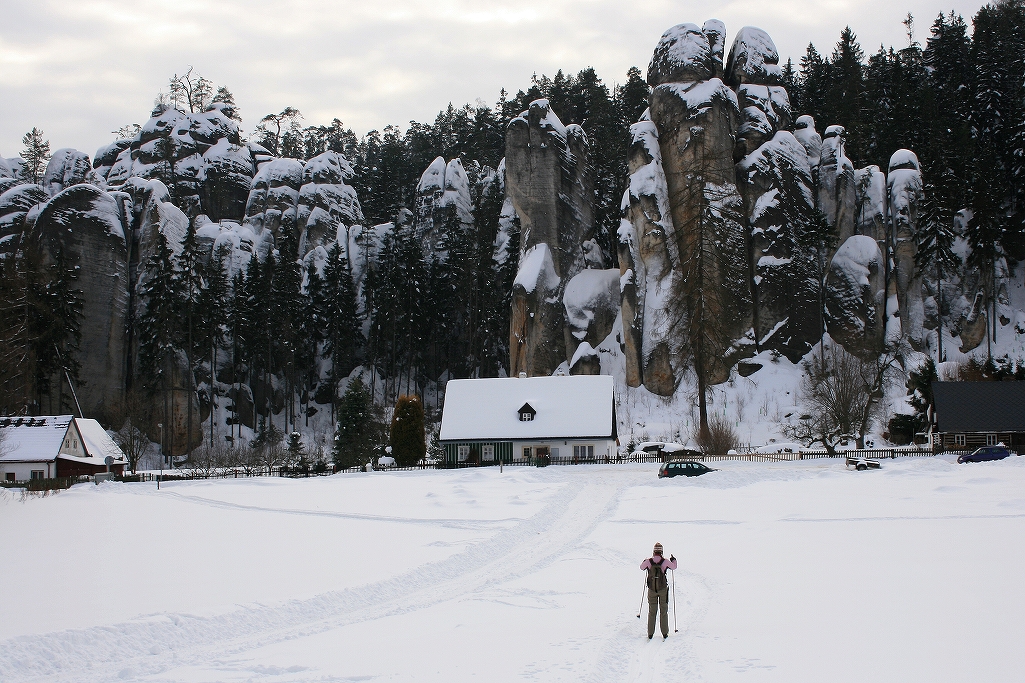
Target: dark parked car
[[683, 468], [985, 453]]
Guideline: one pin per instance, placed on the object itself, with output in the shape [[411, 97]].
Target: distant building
[[486, 420], [55, 446], [974, 414]]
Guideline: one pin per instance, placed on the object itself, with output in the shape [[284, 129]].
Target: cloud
[[79, 70]]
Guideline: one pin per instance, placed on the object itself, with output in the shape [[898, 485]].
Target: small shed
[[974, 414], [521, 419], [55, 446]]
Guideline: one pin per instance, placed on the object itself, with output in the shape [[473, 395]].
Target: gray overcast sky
[[79, 69]]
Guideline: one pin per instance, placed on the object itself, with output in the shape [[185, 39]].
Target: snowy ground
[[788, 572]]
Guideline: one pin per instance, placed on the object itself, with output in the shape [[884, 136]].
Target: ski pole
[[640, 606], [675, 629]]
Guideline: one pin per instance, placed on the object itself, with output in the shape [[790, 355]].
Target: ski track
[[452, 523], [156, 644]]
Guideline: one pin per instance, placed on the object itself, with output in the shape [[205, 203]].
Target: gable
[[577, 406]]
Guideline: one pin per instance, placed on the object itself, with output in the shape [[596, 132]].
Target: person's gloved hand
[[672, 558]]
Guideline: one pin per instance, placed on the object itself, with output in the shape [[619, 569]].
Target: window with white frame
[[464, 452], [959, 440], [582, 452], [991, 439], [526, 417], [488, 451]]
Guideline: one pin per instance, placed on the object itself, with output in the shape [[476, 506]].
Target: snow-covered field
[[788, 572]]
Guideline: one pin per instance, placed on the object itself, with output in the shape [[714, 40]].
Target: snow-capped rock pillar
[[551, 183], [697, 117], [904, 187]]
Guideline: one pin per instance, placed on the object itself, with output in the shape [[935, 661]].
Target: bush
[[721, 439]]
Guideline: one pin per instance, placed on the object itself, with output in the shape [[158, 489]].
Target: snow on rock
[[536, 271], [444, 207], [15, 205], [591, 300], [871, 197], [905, 194], [273, 201], [199, 156], [107, 156], [683, 54], [837, 196], [649, 262], [753, 59], [804, 131], [776, 182], [225, 176], [856, 296], [327, 206], [86, 223], [715, 32], [550, 181], [697, 117], [67, 167]]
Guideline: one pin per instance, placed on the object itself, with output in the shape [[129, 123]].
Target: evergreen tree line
[[958, 102]]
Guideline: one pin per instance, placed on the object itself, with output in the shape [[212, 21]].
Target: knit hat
[[658, 549]]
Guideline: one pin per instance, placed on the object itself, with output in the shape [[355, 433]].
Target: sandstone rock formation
[[550, 181], [855, 297], [443, 207], [775, 178], [200, 157], [67, 167], [328, 208], [649, 264], [272, 211], [836, 197], [697, 117], [86, 223], [904, 188]]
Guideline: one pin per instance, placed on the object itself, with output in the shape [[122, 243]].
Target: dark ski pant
[[658, 601]]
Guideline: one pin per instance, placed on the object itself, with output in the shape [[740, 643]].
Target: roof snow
[[578, 406], [36, 439]]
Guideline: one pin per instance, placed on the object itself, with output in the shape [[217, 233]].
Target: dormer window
[[527, 413]]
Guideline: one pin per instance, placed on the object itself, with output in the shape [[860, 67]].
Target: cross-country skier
[[658, 589]]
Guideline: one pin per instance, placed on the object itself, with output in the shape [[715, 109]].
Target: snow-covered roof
[[39, 439], [577, 406], [97, 442], [32, 439]]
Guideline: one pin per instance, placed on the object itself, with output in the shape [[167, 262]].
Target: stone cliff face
[[550, 182], [87, 224]]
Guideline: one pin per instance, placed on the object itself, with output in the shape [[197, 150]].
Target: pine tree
[[214, 302], [159, 326], [358, 432], [341, 320], [632, 97], [407, 431], [55, 327], [35, 155]]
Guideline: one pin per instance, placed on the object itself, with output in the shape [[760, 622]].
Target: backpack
[[657, 576]]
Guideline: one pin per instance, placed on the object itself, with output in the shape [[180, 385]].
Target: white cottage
[[486, 420], [55, 446]]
